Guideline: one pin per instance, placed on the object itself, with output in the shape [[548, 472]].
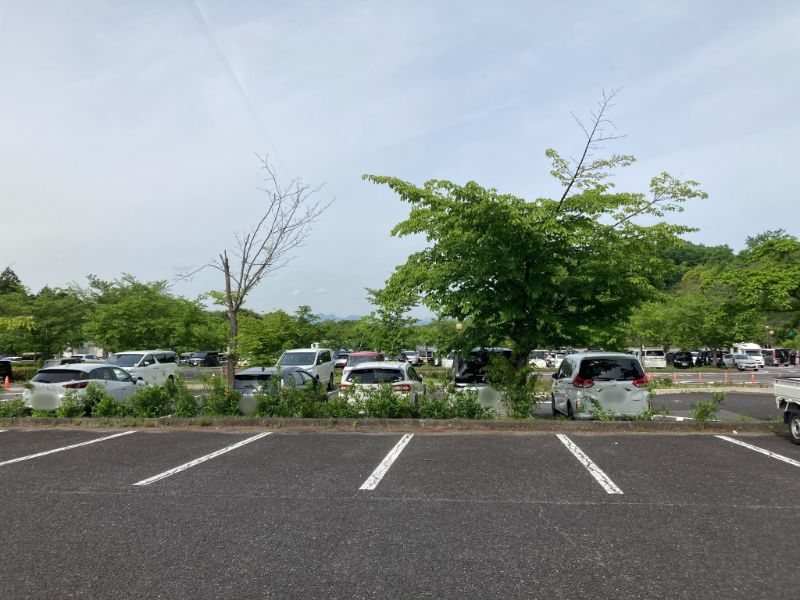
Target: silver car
[[745, 362], [48, 386], [586, 385]]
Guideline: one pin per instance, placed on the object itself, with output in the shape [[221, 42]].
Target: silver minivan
[[588, 385]]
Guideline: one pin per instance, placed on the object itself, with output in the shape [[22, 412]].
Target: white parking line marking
[[202, 459], [603, 479], [373, 480], [38, 454], [785, 459]]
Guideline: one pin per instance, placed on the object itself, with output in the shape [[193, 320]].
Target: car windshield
[[355, 360], [753, 352], [125, 360], [199, 354], [58, 376], [367, 376], [741, 356], [297, 358], [611, 369]]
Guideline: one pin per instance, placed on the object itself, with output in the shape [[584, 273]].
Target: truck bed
[[787, 389]]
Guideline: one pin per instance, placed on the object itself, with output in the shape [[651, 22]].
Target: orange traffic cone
[[7, 383]]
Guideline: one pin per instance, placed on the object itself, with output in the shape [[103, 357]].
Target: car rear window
[[611, 369], [355, 360], [298, 358], [654, 353], [375, 376], [58, 376], [261, 377]]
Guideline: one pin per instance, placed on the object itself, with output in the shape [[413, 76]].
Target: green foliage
[[127, 313], [535, 272], [185, 404], [518, 386], [74, 404], [109, 407], [71, 406], [383, 402], [153, 401], [12, 408], [218, 399], [22, 374], [706, 410]]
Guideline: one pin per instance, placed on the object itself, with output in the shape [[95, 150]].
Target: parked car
[[204, 358], [400, 375], [340, 358], [610, 382], [184, 358], [411, 357], [472, 370], [745, 362], [538, 359], [6, 371], [260, 379], [48, 386], [153, 367], [317, 361], [87, 357], [682, 359], [356, 358], [69, 360]]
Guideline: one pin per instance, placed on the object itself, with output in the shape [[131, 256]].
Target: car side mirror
[[554, 375]]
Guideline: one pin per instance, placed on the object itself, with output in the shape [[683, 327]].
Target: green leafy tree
[[538, 272]]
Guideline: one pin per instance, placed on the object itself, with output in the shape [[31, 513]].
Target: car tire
[[330, 383], [570, 414], [171, 380], [794, 426], [553, 405]]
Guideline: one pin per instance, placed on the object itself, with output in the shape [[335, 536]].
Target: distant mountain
[[330, 317], [337, 318]]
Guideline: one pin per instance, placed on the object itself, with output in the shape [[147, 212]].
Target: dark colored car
[[473, 368], [683, 360], [5, 371], [207, 358]]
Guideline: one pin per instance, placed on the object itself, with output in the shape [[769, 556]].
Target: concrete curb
[[764, 391], [402, 425]]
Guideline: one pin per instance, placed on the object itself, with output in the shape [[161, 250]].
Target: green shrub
[[340, 408], [12, 408], [109, 407], [218, 399], [435, 408], [185, 403], [21, 374], [152, 401], [71, 405], [705, 410], [465, 405], [384, 403]]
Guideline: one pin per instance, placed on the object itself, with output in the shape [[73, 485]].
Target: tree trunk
[[233, 353]]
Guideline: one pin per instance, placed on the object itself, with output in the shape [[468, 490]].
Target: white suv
[[153, 367], [317, 361]]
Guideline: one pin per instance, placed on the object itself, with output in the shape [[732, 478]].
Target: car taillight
[[642, 381], [344, 385], [76, 386], [580, 382], [401, 387]]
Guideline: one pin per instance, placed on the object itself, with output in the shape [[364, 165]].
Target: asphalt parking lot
[[213, 514]]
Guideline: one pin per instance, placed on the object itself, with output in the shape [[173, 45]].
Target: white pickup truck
[[787, 399]]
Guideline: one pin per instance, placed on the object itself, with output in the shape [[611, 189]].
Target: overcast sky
[[129, 130]]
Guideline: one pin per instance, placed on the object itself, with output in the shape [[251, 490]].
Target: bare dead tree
[[267, 247]]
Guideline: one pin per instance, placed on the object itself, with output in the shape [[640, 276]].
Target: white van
[[752, 350], [153, 367], [317, 361], [651, 358]]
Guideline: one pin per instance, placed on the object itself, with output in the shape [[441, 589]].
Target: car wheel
[[553, 405], [330, 383], [170, 380], [570, 414], [794, 427]]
